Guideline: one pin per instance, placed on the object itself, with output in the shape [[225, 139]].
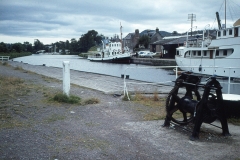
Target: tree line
[[74, 46]]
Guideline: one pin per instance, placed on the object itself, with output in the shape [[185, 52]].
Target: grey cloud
[[76, 17]]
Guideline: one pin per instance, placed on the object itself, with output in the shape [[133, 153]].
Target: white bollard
[[66, 77]]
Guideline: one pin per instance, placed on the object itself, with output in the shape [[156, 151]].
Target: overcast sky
[[60, 20]]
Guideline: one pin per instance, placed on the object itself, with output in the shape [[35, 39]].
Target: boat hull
[[112, 59], [221, 67]]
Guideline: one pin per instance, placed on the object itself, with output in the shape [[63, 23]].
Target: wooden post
[[66, 77]]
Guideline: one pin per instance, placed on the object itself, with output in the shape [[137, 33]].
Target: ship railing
[[4, 58], [94, 56], [176, 70], [196, 44]]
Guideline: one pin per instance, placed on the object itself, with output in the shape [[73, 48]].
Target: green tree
[[62, 46], [57, 46], [174, 32], [73, 45], [67, 44], [3, 47], [144, 41], [38, 45], [27, 47], [18, 47], [88, 40]]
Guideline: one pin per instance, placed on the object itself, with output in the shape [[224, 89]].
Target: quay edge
[[154, 62]]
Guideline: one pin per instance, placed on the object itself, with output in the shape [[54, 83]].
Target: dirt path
[[112, 129]]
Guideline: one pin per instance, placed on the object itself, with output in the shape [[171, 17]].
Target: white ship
[[112, 52], [220, 56]]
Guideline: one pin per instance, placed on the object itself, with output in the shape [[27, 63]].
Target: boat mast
[[219, 21], [225, 15], [121, 37]]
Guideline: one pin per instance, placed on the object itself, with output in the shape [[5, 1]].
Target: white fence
[[6, 58], [175, 69]]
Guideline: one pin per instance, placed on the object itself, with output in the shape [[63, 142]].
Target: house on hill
[[131, 39]]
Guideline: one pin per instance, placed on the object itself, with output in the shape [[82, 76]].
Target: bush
[[91, 101], [16, 54], [60, 97]]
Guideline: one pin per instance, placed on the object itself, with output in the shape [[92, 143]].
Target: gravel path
[[111, 129]]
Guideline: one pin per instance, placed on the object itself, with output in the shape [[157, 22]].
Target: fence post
[[229, 80], [66, 77]]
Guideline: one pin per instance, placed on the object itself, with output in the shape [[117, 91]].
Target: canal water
[[135, 71], [138, 72]]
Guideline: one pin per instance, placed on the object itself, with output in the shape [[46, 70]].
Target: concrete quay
[[154, 61], [104, 83]]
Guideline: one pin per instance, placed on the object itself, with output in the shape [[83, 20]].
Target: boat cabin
[[230, 32], [115, 48]]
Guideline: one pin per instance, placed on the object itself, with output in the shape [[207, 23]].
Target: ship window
[[235, 32], [225, 52], [199, 53], [205, 53], [224, 33], [177, 52], [194, 53], [219, 33], [230, 31], [217, 53]]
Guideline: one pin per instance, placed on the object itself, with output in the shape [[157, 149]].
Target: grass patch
[[19, 68], [12, 124], [93, 143], [84, 55], [5, 64], [63, 98], [235, 121], [154, 116], [125, 98], [16, 54], [12, 87], [60, 97], [154, 106], [54, 118], [49, 79], [149, 100], [91, 101]]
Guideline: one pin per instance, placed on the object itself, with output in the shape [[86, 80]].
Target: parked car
[[142, 53], [146, 54]]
